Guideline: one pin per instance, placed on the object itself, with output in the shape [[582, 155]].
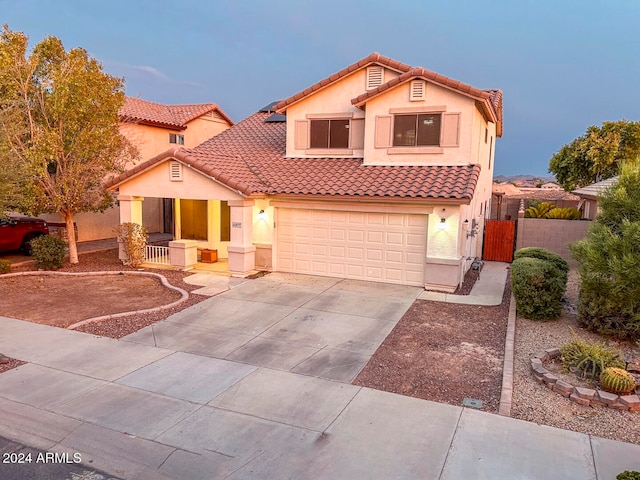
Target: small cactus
[[617, 380]]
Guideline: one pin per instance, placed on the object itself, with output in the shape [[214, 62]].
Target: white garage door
[[382, 247]]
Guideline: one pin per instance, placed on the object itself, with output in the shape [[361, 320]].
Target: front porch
[[202, 214]]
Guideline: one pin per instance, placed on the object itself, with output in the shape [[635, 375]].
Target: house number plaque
[[236, 224]]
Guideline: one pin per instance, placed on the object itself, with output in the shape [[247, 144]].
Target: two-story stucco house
[[153, 128], [379, 172]]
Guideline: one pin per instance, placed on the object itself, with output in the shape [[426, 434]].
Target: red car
[[17, 231]]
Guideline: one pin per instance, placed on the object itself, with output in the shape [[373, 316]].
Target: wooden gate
[[499, 240]]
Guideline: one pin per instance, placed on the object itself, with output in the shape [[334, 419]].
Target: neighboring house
[[154, 128], [379, 172], [507, 197], [589, 196]]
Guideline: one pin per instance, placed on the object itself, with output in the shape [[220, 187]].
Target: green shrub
[[609, 260], [589, 359], [564, 213], [48, 251], [538, 287], [5, 266], [538, 209], [628, 475], [543, 254], [134, 240]]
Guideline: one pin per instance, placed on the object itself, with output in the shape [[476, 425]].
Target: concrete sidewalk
[[488, 289], [142, 412]]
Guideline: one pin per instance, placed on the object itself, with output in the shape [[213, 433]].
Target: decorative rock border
[[579, 395]]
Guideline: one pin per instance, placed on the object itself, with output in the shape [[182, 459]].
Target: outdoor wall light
[[442, 225], [262, 215]]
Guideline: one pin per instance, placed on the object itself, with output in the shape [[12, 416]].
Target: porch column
[[242, 252], [130, 212]]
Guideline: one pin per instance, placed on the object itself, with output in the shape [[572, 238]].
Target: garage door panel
[[394, 256], [368, 246], [356, 236], [395, 238], [414, 258], [375, 237], [375, 219], [339, 217], [414, 239], [419, 221], [396, 220], [355, 271], [375, 255]]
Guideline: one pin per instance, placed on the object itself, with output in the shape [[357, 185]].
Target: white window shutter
[[383, 131], [418, 90], [375, 76], [450, 130], [175, 171], [301, 135]]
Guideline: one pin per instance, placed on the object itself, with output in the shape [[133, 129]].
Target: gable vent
[[417, 90], [175, 171], [375, 76]]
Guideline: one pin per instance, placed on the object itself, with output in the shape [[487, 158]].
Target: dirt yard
[[443, 352], [64, 300]]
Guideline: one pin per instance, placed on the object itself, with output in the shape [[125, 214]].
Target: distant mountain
[[523, 178]]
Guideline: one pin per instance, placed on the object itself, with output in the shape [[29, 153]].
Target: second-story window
[[329, 134], [416, 130], [176, 138]]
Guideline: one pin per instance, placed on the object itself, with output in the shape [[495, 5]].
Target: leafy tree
[[59, 127], [609, 261], [596, 155]]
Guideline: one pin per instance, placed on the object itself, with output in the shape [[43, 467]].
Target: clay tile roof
[[136, 110], [375, 57], [488, 101], [250, 158]]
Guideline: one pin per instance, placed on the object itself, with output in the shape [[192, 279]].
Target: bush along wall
[[538, 284]]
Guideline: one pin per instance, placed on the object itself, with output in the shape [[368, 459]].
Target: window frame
[[345, 122], [416, 136], [176, 138]]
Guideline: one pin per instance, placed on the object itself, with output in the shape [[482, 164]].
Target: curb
[[506, 393], [184, 295]]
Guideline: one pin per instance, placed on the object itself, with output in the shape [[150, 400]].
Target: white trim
[[417, 90], [375, 76], [175, 171]]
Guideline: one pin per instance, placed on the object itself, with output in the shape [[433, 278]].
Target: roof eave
[[374, 58]]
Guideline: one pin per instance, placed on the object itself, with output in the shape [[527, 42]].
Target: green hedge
[[48, 251], [543, 254], [538, 286]]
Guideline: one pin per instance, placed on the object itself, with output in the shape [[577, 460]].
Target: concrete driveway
[[170, 403], [317, 326]]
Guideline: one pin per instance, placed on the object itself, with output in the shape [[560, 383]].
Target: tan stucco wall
[[152, 141], [435, 96], [155, 182], [333, 99]]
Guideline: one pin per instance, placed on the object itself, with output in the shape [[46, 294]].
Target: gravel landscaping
[[535, 402]]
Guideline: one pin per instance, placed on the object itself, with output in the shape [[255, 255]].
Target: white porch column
[[130, 212], [130, 209], [242, 252]]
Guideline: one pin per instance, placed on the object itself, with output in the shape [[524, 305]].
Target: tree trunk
[[71, 238]]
